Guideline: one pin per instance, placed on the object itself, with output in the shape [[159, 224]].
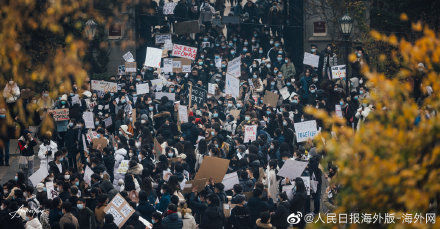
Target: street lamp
[[90, 29], [346, 26]]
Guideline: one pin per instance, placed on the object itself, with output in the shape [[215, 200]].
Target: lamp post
[[346, 26]]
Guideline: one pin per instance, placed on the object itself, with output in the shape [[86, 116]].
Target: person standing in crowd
[[26, 144], [7, 132]]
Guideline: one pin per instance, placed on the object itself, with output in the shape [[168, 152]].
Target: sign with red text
[[184, 51]]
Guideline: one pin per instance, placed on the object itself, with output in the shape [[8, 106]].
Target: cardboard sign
[[234, 67], [39, 175], [232, 86], [338, 111], [168, 8], [230, 180], [51, 192], [88, 172], [186, 27], [170, 96], [123, 167], [143, 88], [180, 63], [235, 113], [183, 113], [338, 72], [292, 169], [60, 114], [271, 98], [128, 57], [199, 185], [285, 93], [130, 67], [120, 209], [99, 143], [99, 85], [184, 51], [213, 167], [153, 57], [305, 130], [162, 38], [88, 120], [311, 59], [157, 148], [250, 133], [198, 96]]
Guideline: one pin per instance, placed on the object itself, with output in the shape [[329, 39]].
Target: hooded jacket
[[172, 221]]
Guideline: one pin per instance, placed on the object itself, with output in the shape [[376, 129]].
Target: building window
[[319, 28], [115, 31]]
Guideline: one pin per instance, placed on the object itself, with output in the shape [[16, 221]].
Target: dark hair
[[143, 196], [238, 189], [265, 217], [108, 218], [219, 186], [172, 207], [257, 192], [214, 199], [67, 206], [157, 216]]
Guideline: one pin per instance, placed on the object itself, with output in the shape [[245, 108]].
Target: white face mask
[[137, 144], [66, 177]]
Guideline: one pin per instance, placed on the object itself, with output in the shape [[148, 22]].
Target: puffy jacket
[[212, 218], [172, 221]]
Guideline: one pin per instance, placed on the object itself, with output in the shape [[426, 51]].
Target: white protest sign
[[250, 133], [167, 65], [168, 45], [338, 110], [128, 57], [171, 96], [99, 85], [153, 57], [39, 175], [88, 175], [184, 51], [338, 72], [305, 130], [120, 209], [130, 67], [206, 44], [157, 84], [218, 62], [288, 190], [311, 59], [142, 89], [88, 120], [229, 180], [123, 167], [307, 184], [183, 113], [76, 100], [147, 224], [162, 38], [108, 121], [232, 86], [168, 8], [186, 68], [234, 67], [292, 169], [51, 192], [285, 93], [211, 88]]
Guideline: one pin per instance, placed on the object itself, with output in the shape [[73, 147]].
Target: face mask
[[223, 65], [277, 44], [280, 52], [200, 62], [215, 115], [341, 103], [16, 178], [255, 76], [244, 50], [80, 206], [120, 132], [313, 91], [231, 44], [268, 66], [358, 55], [44, 189], [284, 123], [239, 105], [295, 101], [229, 104], [96, 123], [66, 177], [356, 98], [268, 112], [2, 116], [77, 183], [246, 43], [122, 101], [260, 51], [63, 102], [272, 83], [361, 92], [271, 42], [153, 221], [313, 50], [216, 45], [235, 39], [26, 218], [232, 52], [205, 39], [247, 118], [279, 58], [275, 71], [71, 124], [288, 84], [280, 76], [62, 159], [5, 192], [170, 154]]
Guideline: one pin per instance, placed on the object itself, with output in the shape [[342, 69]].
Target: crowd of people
[[259, 200]]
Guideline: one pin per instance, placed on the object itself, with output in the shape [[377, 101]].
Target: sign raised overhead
[[184, 51], [99, 85], [120, 209], [338, 72], [311, 59]]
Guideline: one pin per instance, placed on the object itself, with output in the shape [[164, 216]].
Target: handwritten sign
[[170, 96], [305, 130], [123, 167], [211, 88], [99, 85], [130, 67], [338, 110], [232, 86], [338, 72], [183, 113], [120, 209], [88, 120], [184, 51], [60, 114], [128, 57], [270, 98], [230, 180], [168, 8], [142, 89], [153, 57], [234, 67], [51, 192], [167, 65], [250, 133], [162, 38], [311, 59], [198, 96]]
